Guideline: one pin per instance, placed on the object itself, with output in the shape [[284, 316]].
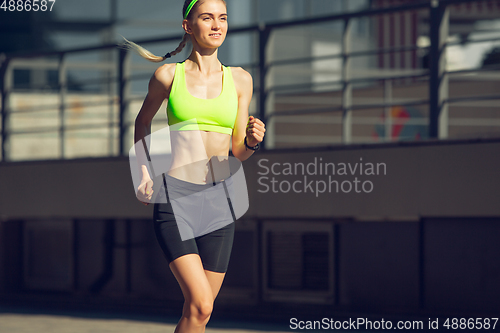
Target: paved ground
[[39, 320], [36, 317], [28, 321], [23, 323]]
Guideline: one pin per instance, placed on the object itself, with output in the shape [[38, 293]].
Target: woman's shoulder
[[239, 71], [165, 74], [241, 76], [165, 71]]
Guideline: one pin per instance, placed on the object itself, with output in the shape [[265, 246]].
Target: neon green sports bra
[[193, 113]]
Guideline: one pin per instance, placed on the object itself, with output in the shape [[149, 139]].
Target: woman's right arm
[[158, 91]]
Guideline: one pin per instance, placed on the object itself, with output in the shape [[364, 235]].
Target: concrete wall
[[421, 179]]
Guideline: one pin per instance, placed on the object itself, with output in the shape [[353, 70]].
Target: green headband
[[188, 9]]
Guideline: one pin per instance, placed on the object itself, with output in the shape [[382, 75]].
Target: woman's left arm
[[250, 127]]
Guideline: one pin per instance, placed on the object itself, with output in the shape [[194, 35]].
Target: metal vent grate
[[298, 260]]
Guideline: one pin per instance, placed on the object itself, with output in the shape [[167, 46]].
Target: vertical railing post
[[5, 85], [63, 87], [438, 79], [123, 82], [346, 84], [264, 33], [388, 109]]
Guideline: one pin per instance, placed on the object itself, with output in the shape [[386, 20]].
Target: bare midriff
[[191, 152]]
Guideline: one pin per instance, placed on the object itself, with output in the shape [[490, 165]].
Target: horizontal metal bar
[[327, 139], [357, 80], [472, 41], [385, 105], [386, 50], [56, 107], [474, 122], [311, 139], [307, 72], [457, 2], [57, 87], [85, 49], [303, 111], [475, 70], [472, 98], [489, 122], [355, 120], [346, 16], [22, 63], [56, 129], [339, 108], [348, 54], [92, 81], [301, 60]]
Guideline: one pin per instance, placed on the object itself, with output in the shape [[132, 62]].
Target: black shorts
[[214, 247]]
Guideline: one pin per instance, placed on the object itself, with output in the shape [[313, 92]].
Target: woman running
[[218, 98]]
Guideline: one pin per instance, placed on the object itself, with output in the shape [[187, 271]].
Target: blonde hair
[[150, 56]]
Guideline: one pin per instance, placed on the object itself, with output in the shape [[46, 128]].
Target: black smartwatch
[[255, 148]]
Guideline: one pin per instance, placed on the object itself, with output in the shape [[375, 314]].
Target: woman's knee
[[200, 310]]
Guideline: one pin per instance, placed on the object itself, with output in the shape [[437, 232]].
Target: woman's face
[[208, 24]]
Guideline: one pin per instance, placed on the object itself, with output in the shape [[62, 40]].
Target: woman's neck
[[205, 61]]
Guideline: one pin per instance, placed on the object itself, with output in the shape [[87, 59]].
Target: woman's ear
[[186, 27]]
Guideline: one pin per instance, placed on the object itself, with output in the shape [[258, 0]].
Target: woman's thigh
[[189, 273], [168, 235], [215, 248]]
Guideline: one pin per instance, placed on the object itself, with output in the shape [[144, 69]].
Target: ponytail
[[150, 56]]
